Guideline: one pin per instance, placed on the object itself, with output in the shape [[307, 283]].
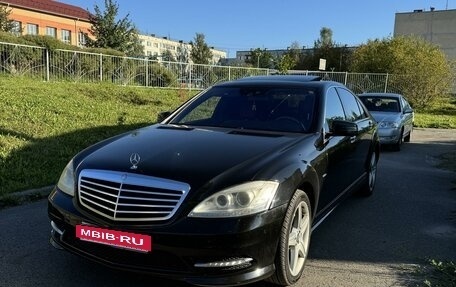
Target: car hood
[[193, 156], [386, 116]]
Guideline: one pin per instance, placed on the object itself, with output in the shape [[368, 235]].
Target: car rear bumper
[[207, 252]]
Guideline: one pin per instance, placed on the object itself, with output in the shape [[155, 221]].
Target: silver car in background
[[394, 116]]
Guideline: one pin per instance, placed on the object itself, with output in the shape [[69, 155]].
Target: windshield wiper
[[176, 127], [255, 133]]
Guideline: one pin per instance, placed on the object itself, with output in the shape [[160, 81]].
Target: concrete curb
[[17, 198]]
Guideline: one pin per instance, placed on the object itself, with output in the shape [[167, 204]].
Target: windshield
[[253, 108], [381, 104]]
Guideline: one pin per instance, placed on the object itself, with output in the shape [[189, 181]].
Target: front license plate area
[[121, 239]]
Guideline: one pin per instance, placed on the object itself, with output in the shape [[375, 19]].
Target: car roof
[[385, 95], [281, 78]]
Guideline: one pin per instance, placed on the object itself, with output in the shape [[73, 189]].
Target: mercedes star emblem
[[134, 160]]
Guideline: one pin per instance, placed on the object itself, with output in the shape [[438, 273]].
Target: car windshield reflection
[[265, 109], [381, 104]]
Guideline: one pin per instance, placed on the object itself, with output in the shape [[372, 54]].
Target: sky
[[248, 24]]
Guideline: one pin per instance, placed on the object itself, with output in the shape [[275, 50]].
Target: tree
[[337, 56], [6, 24], [260, 58], [325, 40], [168, 56], [120, 35], [285, 62], [182, 53], [200, 53], [420, 70]]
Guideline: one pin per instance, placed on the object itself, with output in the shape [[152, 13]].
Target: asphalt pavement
[[375, 241]]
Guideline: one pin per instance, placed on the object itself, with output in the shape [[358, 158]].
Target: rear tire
[[294, 241]]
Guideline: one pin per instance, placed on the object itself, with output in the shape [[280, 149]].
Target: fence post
[[190, 76], [346, 78], [47, 65], [386, 82], [101, 67], [229, 73], [147, 72]]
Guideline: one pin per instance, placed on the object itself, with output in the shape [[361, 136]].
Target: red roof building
[[65, 22]]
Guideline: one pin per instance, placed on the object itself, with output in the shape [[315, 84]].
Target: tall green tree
[[419, 68], [325, 40], [6, 24], [110, 32], [200, 53]]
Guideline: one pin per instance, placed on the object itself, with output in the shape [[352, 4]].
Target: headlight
[[244, 199], [66, 180], [388, 125]]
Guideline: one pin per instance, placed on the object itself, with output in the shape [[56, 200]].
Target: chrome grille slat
[[143, 212], [100, 185], [122, 196], [97, 191], [93, 202], [151, 193], [97, 197], [148, 199], [144, 205]]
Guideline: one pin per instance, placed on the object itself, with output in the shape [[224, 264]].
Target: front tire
[[368, 187], [397, 146], [294, 241], [407, 138]]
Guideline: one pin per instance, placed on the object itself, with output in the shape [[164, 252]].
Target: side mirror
[[408, 111], [162, 116], [344, 128]]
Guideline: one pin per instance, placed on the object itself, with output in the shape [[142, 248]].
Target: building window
[[51, 31], [82, 39], [17, 28], [156, 45], [66, 36], [148, 44], [32, 29]]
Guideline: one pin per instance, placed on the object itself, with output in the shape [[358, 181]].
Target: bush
[[160, 76], [48, 42]]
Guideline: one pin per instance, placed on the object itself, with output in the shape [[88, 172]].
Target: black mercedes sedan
[[225, 190]]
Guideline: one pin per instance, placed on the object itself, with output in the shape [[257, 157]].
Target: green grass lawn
[[44, 124], [440, 115]]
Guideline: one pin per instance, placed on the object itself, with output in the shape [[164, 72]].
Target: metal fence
[[77, 66]]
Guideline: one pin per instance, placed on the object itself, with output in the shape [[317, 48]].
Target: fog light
[[225, 263]]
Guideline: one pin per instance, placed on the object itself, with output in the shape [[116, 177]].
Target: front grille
[[124, 196]]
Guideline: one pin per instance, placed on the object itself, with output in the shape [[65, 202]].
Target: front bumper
[[182, 249], [389, 135]]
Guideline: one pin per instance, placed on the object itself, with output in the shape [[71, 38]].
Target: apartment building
[[157, 47], [65, 22], [435, 26]]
